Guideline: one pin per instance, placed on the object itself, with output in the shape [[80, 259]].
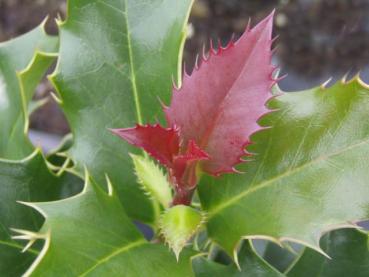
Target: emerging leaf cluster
[[73, 211]]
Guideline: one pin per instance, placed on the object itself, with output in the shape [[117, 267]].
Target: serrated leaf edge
[[36, 55], [279, 240], [19, 73], [215, 210], [30, 235], [273, 78], [36, 262]]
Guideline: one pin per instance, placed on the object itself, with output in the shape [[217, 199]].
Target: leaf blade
[[23, 62], [115, 77], [207, 108], [117, 243], [25, 180], [161, 143], [300, 179]]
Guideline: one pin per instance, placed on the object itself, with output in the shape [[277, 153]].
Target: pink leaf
[[218, 106], [163, 144], [159, 142]]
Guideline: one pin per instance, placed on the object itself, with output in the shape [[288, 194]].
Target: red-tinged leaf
[[164, 145], [193, 153], [185, 164], [161, 143], [218, 106]]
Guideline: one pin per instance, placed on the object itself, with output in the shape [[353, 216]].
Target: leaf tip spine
[[43, 24], [326, 83], [109, 185], [56, 98]]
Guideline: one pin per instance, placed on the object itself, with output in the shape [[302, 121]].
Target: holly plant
[[216, 172]]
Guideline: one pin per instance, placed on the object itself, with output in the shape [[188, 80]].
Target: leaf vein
[[113, 254], [132, 68], [214, 211]]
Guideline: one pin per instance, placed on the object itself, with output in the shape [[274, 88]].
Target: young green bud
[[153, 180], [178, 224]]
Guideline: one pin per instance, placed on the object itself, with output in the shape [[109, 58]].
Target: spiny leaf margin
[[269, 145]]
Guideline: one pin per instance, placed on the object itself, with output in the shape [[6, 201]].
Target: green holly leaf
[[349, 256], [91, 235], [310, 175], [26, 180], [23, 62], [178, 224], [117, 59], [249, 262]]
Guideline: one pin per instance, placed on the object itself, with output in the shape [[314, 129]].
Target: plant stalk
[[183, 196]]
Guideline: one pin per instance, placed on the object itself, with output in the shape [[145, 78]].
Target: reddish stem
[[182, 197], [185, 186]]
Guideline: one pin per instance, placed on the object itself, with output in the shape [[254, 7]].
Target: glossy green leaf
[[117, 59], [91, 235], [349, 256], [250, 265], [310, 173], [23, 62], [25, 180]]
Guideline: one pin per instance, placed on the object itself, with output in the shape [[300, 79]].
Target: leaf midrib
[[130, 57], [220, 109], [269, 182], [131, 65], [113, 254]]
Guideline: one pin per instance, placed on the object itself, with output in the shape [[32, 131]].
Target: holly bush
[[233, 176]]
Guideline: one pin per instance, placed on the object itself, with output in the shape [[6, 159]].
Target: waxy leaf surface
[[310, 175], [23, 62], [26, 180], [91, 235], [117, 59], [219, 104]]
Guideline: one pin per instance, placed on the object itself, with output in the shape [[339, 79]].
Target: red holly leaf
[[161, 143], [215, 112], [219, 104]]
